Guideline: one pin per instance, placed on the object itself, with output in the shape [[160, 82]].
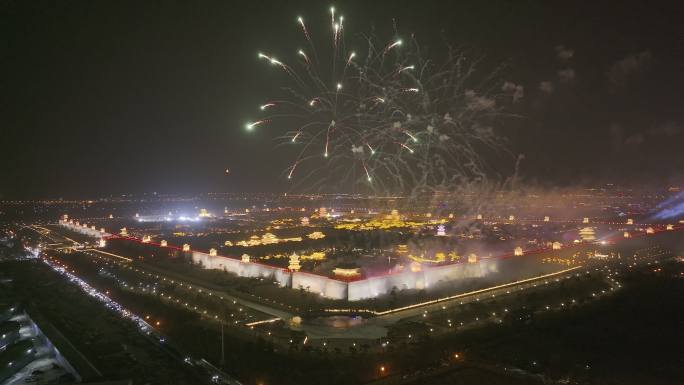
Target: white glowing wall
[[82, 230], [459, 271], [424, 279], [242, 269], [376, 286], [352, 291], [327, 287]]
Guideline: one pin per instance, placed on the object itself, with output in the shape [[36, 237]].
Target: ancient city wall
[[242, 269], [423, 279], [329, 287], [83, 229]]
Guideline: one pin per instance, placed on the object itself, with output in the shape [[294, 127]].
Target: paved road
[[276, 312], [416, 310]]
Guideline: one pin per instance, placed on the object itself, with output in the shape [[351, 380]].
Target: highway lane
[[205, 371]]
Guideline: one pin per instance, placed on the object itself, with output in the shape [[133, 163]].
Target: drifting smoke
[[517, 90], [622, 70], [563, 53], [566, 75], [386, 119], [546, 87]]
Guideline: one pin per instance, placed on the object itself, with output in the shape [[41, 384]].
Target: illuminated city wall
[[376, 286], [242, 269], [352, 291], [82, 229], [330, 288], [434, 275], [325, 286], [423, 279]]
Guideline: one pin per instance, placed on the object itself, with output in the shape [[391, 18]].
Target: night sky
[[101, 98]]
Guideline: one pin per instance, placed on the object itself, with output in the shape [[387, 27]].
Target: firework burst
[[383, 116]]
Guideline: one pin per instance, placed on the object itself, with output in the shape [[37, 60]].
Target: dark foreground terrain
[[630, 336]]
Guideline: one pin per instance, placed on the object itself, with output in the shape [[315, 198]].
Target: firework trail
[[388, 119]]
